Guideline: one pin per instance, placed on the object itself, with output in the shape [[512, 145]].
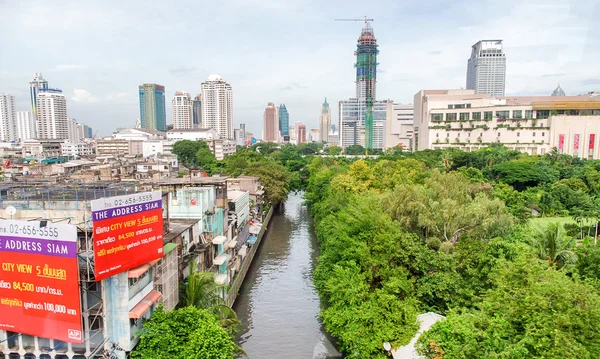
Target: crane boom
[[366, 20]]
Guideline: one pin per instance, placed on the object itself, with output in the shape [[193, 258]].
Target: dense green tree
[[333, 151], [183, 334], [532, 312], [588, 261], [524, 173], [186, 151], [273, 177], [551, 244], [355, 150]]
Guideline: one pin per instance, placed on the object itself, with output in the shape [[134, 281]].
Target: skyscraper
[[7, 117], [271, 123], [26, 128], [301, 128], [197, 112], [486, 68], [324, 122], [359, 123], [52, 115], [284, 122], [217, 106], [152, 107], [182, 111], [36, 85]]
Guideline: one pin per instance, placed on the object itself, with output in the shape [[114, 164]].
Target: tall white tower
[[324, 122], [217, 106], [52, 115], [486, 68], [26, 126], [183, 112], [7, 117], [36, 85]]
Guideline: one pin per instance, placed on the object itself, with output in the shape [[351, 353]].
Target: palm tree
[[202, 292], [553, 245]]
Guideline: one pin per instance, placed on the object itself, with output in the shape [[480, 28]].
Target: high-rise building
[[314, 135], [301, 128], [52, 115], [197, 112], [558, 91], [37, 84], [73, 132], [7, 118], [324, 122], [153, 113], [360, 125], [352, 124], [182, 111], [26, 127], [284, 122], [217, 106], [486, 68], [240, 135], [271, 123]]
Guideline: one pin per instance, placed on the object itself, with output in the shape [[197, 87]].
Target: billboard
[[39, 284], [128, 232]]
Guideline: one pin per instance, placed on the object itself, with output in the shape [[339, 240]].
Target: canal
[[278, 304]]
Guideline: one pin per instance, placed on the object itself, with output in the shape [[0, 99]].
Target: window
[[498, 134], [487, 115], [528, 114], [464, 116], [517, 114], [92, 287], [450, 117], [543, 114], [450, 106], [476, 116], [534, 134], [468, 105], [96, 322], [458, 134], [437, 135], [459, 106], [543, 134], [502, 114], [437, 117], [518, 134], [447, 134], [468, 134]]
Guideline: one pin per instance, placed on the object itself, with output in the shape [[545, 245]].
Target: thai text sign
[[39, 284], [128, 232]]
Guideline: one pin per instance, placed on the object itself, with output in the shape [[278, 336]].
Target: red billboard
[[576, 142], [561, 142], [592, 140], [39, 284], [128, 232]]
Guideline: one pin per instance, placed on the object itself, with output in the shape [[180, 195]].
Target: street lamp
[[387, 346]]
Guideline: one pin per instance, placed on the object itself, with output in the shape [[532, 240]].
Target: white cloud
[[68, 67], [81, 95]]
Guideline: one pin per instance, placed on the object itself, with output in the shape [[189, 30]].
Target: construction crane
[[366, 20], [366, 59]]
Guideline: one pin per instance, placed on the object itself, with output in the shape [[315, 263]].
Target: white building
[[52, 115], [399, 124], [217, 106], [486, 68], [76, 148], [7, 118], [153, 148], [37, 84], [138, 134], [193, 134], [314, 135], [324, 122], [578, 136], [468, 121], [239, 135], [221, 148], [352, 122], [26, 127], [183, 110], [73, 132]]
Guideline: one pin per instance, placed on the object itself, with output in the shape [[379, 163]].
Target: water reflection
[[278, 304]]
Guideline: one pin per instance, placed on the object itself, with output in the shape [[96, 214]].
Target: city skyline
[[555, 46]]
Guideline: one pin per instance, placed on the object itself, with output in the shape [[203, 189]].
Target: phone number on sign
[[33, 230]]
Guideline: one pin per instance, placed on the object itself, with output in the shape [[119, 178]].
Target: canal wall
[[241, 275]]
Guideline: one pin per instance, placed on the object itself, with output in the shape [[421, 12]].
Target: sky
[[284, 51]]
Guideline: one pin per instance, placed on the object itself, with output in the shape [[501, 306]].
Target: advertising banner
[[128, 232], [592, 140], [39, 284], [561, 142], [576, 142]]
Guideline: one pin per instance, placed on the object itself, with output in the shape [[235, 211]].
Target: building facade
[[193, 135], [217, 106], [197, 112], [314, 135], [152, 107], [325, 122], [301, 133], [271, 123], [284, 122], [399, 126], [76, 148], [52, 115], [8, 116], [183, 110], [352, 123], [366, 80], [240, 135], [37, 84], [468, 121], [486, 68], [26, 126]]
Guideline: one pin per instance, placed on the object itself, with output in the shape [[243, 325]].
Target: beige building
[[325, 122], [468, 121], [578, 136], [399, 126], [110, 146], [271, 123]]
